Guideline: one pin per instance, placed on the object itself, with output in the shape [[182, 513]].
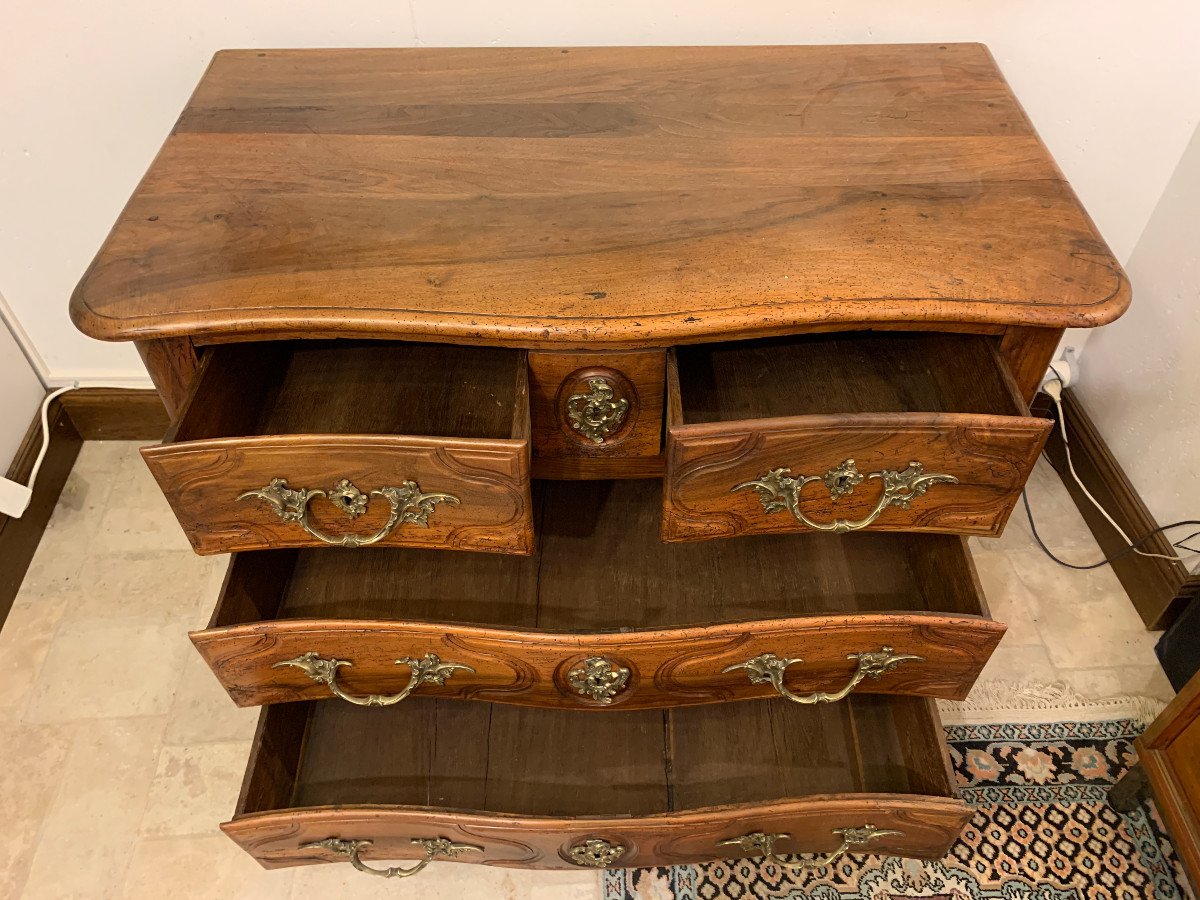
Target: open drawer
[[551, 789], [844, 432], [352, 443], [605, 616]]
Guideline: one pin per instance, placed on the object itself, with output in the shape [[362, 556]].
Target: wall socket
[[14, 498]]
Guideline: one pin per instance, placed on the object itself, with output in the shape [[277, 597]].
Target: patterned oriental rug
[[1042, 830]]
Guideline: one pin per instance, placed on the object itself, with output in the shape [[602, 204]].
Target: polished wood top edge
[[997, 422], [1106, 297], [547, 333], [683, 634], [334, 441], [814, 804]]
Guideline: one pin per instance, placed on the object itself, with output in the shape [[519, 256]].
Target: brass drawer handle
[[763, 845], [873, 664], [596, 414], [408, 507], [596, 854], [434, 847], [779, 490], [428, 670]]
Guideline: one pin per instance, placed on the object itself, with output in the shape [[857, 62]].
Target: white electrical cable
[[1054, 392], [27, 489]]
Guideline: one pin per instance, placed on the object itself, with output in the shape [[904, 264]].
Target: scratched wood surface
[[593, 197]]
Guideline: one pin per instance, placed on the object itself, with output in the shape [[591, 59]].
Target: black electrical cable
[[1109, 560]]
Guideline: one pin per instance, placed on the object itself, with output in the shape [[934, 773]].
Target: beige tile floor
[[121, 753]]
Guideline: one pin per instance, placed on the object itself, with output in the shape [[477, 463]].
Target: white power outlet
[[1063, 371], [14, 498]]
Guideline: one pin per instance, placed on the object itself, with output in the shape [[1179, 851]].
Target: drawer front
[[597, 415], [949, 473], [923, 654], [921, 826], [233, 494]]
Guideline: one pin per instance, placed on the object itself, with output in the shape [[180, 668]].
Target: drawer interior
[[600, 566], [844, 373], [507, 759], [355, 387]]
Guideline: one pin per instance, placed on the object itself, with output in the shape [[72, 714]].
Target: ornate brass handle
[[408, 507], [763, 845], [428, 670], [873, 664], [434, 847], [779, 490], [596, 414]]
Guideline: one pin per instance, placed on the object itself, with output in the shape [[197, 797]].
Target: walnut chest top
[[595, 197]]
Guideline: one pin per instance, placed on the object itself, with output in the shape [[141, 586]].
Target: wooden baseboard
[[112, 414], [86, 414], [1156, 586]]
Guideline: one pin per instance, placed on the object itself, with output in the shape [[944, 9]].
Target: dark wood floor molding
[[1154, 585], [86, 414], [111, 414], [19, 538]]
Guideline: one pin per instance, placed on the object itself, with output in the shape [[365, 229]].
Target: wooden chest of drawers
[[595, 433]]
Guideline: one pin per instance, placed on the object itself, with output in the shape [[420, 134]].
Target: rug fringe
[[1032, 701]]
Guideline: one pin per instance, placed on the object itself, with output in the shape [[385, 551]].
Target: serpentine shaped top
[[601, 197]]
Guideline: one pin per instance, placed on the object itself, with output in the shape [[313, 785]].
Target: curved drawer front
[[927, 654], [950, 473], [257, 493], [922, 826]]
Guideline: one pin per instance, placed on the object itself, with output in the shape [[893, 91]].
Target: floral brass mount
[[597, 414], [779, 490], [428, 670], [408, 507], [598, 678], [770, 668], [434, 847], [761, 844], [595, 853]]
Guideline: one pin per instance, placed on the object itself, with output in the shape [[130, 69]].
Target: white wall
[[20, 393], [89, 90], [1141, 375]]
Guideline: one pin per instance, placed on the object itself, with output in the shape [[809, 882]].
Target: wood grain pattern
[[559, 450], [807, 404], [600, 583], [259, 412], [1169, 750], [593, 197], [1027, 353], [203, 479], [990, 456], [677, 667], [514, 791], [930, 826], [173, 364]]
